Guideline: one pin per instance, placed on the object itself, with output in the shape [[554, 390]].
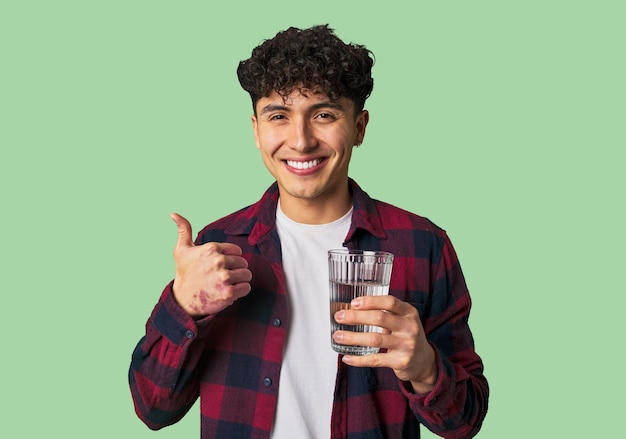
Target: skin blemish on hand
[[200, 302]]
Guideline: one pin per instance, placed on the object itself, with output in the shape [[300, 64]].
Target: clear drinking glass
[[354, 273]]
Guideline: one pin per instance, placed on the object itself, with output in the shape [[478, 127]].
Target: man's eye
[[277, 117], [326, 116]]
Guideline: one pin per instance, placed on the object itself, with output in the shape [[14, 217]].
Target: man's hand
[[209, 277], [408, 352]]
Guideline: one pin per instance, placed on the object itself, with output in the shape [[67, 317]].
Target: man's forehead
[[299, 94]]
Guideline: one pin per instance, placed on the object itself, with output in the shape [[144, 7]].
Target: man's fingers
[[227, 248], [184, 231], [240, 275], [235, 262], [225, 254], [386, 302], [380, 318], [386, 312]]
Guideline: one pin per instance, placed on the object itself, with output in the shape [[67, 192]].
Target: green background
[[501, 121]]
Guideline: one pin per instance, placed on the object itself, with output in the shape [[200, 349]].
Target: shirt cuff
[[174, 323]]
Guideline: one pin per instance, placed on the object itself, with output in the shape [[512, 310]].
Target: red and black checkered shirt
[[232, 360]]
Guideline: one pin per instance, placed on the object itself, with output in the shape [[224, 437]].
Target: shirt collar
[[260, 218]]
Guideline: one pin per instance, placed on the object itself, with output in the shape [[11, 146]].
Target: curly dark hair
[[313, 58]]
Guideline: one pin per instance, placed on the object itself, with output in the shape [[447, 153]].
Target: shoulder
[[259, 216], [395, 218], [411, 237], [216, 230]]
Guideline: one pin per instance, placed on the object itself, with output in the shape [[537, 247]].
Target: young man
[[245, 323]]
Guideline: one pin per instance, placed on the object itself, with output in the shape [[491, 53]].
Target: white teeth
[[304, 165]]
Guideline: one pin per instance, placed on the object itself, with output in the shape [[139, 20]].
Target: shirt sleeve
[[456, 406], [162, 376]]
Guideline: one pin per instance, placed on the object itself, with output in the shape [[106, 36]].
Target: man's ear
[[255, 130], [361, 124]]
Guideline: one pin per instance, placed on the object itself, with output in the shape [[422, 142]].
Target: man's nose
[[302, 136]]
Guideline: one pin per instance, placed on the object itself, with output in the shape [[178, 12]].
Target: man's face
[[306, 143]]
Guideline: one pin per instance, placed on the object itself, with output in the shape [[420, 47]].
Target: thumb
[[184, 231]]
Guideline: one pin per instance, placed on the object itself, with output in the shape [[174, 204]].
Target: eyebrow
[[327, 104]]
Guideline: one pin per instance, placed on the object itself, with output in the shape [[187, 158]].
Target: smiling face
[[306, 143]]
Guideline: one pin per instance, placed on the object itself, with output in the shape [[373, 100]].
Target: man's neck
[[315, 211]]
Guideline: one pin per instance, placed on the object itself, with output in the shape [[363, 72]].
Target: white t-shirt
[[307, 377]]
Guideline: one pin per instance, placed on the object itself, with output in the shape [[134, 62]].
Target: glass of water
[[355, 273]]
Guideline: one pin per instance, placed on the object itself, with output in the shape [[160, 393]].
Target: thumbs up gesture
[[209, 277]]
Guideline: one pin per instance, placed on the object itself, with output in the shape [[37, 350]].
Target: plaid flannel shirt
[[232, 360]]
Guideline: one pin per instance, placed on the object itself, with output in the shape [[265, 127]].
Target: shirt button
[[189, 334], [267, 382], [276, 322]]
